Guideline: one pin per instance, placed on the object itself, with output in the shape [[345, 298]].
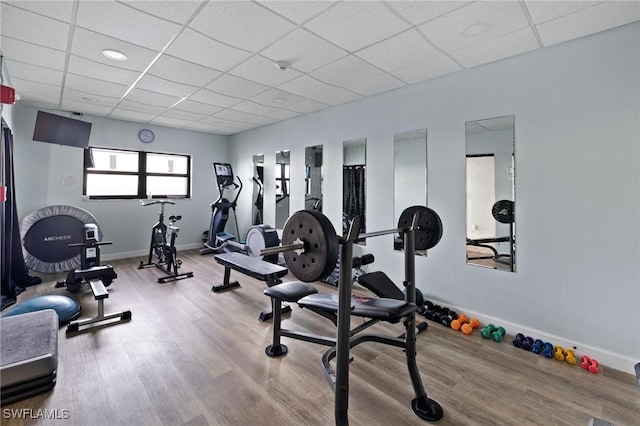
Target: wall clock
[[146, 136]]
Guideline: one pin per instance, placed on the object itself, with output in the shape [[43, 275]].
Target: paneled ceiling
[[209, 66]]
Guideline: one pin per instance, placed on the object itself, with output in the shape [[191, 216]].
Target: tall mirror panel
[[354, 188], [313, 177], [282, 188], [258, 189], [490, 151], [409, 176]]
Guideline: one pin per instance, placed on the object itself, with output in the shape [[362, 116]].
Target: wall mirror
[[282, 188], [313, 177], [409, 176], [490, 150], [258, 189], [354, 188]]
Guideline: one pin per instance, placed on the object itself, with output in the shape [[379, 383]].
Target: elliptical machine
[[258, 236], [97, 276], [164, 248]]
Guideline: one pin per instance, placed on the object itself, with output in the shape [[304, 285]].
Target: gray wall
[[42, 167], [577, 109]]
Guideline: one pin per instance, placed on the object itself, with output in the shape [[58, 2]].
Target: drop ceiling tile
[[95, 86], [90, 45], [347, 71], [264, 71], [124, 23], [33, 54], [498, 48], [152, 98], [78, 96], [36, 91], [427, 70], [33, 28], [277, 98], [202, 50], [418, 12], [253, 108], [34, 73], [202, 127], [88, 68], [166, 87], [58, 9], [493, 18], [354, 25], [338, 97], [33, 102], [245, 117], [400, 51], [184, 115], [129, 105], [86, 107], [127, 115], [197, 107], [298, 11], [380, 84], [213, 98], [182, 71], [171, 122], [307, 86], [587, 21], [175, 11], [231, 85], [282, 114], [229, 22], [217, 121], [303, 50], [542, 11], [308, 106]]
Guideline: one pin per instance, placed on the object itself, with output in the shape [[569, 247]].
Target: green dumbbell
[[498, 334], [486, 331]]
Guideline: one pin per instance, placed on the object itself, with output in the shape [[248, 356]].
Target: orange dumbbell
[[468, 327], [457, 323]]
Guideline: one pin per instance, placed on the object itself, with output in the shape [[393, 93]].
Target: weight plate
[[503, 211], [320, 245], [429, 229]]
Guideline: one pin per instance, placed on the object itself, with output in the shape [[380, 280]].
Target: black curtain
[[353, 190], [14, 273]]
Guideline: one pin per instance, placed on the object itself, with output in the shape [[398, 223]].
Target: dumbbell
[[468, 327], [438, 315], [445, 319], [430, 310], [517, 342], [537, 346], [458, 322], [570, 357], [559, 353], [589, 364], [547, 350], [485, 332], [498, 334], [527, 343]]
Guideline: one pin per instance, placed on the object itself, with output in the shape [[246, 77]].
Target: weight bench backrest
[[381, 285]]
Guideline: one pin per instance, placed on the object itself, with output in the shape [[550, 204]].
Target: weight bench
[[254, 268], [389, 305]]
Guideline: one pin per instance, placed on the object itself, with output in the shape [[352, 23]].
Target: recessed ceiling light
[[475, 29], [278, 100], [114, 54], [84, 98]]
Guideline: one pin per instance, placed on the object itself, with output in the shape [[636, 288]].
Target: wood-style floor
[[193, 357]]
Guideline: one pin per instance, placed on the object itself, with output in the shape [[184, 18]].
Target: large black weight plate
[[320, 245], [429, 229], [502, 211]]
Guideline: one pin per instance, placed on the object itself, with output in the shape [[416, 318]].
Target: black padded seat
[[391, 310], [381, 285], [251, 266], [291, 291]]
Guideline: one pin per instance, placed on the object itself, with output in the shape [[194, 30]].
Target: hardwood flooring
[[193, 357]]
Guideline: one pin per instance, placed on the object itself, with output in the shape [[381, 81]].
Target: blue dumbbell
[[537, 347], [547, 350]]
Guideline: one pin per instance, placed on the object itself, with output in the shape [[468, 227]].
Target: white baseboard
[[604, 357], [145, 252]]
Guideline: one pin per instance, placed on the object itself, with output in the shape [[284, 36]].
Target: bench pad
[[369, 307], [291, 291], [251, 266]]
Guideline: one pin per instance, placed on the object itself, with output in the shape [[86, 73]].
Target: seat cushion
[[251, 266], [291, 291], [369, 307]]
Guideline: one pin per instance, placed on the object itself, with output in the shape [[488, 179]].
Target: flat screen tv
[[61, 130]]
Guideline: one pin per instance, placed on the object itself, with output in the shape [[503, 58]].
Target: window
[[118, 173]]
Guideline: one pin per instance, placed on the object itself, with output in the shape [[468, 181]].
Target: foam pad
[[66, 308]]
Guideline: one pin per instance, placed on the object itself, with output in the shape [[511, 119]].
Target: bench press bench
[[254, 268]]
